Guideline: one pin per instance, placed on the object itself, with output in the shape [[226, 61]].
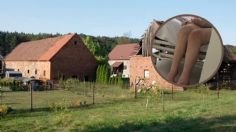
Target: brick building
[[119, 59], [53, 58], [142, 67]]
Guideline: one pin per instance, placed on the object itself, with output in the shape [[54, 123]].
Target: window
[[146, 73], [74, 76], [75, 42], [18, 69], [35, 72], [125, 67], [44, 73], [28, 71]]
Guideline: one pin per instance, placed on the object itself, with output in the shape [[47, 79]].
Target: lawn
[[115, 109]]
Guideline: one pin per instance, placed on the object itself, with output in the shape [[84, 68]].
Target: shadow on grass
[[225, 123]]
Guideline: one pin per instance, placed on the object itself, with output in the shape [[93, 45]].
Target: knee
[[185, 30], [195, 36]]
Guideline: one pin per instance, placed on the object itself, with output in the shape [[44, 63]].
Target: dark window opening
[[74, 76], [86, 78], [28, 71], [44, 73], [35, 72], [75, 42]]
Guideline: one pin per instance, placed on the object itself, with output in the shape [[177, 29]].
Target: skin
[[190, 38]]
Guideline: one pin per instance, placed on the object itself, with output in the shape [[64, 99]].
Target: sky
[[111, 17]]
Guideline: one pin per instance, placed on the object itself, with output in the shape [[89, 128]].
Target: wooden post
[[218, 89], [172, 92], [135, 91], [31, 97], [162, 100], [1, 95], [93, 92]]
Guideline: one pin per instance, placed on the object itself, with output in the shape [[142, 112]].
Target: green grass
[[115, 109]]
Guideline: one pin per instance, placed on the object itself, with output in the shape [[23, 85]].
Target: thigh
[[202, 34], [205, 35]]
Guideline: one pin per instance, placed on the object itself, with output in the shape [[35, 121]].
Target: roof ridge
[[56, 47], [41, 39]]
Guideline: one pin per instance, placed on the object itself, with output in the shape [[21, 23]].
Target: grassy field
[[115, 109]]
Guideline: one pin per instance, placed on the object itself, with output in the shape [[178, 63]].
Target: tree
[[124, 39], [102, 74], [91, 45]]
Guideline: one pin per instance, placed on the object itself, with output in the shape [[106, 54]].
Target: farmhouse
[[53, 58], [142, 67], [119, 59]]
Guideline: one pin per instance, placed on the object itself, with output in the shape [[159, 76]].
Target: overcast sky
[[111, 17]]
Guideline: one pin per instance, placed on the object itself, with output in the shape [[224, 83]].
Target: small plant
[[63, 119], [203, 90], [59, 106], [151, 91], [3, 110]]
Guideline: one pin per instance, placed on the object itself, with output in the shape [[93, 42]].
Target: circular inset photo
[[187, 50]]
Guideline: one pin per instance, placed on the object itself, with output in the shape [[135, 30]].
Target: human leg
[[180, 49], [197, 38]]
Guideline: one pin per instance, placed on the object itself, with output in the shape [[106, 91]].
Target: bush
[[119, 81], [69, 84], [102, 74], [4, 110]]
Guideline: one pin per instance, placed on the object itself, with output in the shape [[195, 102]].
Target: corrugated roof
[[124, 51], [39, 50]]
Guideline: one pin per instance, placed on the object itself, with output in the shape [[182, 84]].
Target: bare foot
[[171, 75], [183, 81]]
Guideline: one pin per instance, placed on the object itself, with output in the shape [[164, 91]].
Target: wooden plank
[[203, 48], [171, 56], [158, 47], [163, 42], [167, 55]]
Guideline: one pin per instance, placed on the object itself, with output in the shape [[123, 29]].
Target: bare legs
[[180, 49], [190, 39]]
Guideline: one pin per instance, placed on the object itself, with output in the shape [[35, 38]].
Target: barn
[[53, 58]]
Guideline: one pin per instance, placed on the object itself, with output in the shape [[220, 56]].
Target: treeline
[[100, 46], [9, 40], [231, 49]]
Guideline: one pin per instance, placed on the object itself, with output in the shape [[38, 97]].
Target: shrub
[[12, 85], [59, 106], [69, 83], [3, 110], [102, 74]]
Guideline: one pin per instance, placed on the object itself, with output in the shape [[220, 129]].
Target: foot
[[183, 81], [171, 75]]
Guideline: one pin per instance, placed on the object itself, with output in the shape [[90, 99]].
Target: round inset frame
[[187, 50]]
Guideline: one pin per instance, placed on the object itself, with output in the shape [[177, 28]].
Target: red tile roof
[[117, 64], [40, 50], [124, 51]]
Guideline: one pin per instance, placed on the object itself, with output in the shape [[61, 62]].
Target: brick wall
[[73, 60], [138, 64], [38, 69]]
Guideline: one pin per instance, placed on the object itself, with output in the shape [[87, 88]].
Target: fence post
[[1, 94], [172, 92], [162, 100], [31, 97], [93, 92], [218, 89], [135, 91]]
